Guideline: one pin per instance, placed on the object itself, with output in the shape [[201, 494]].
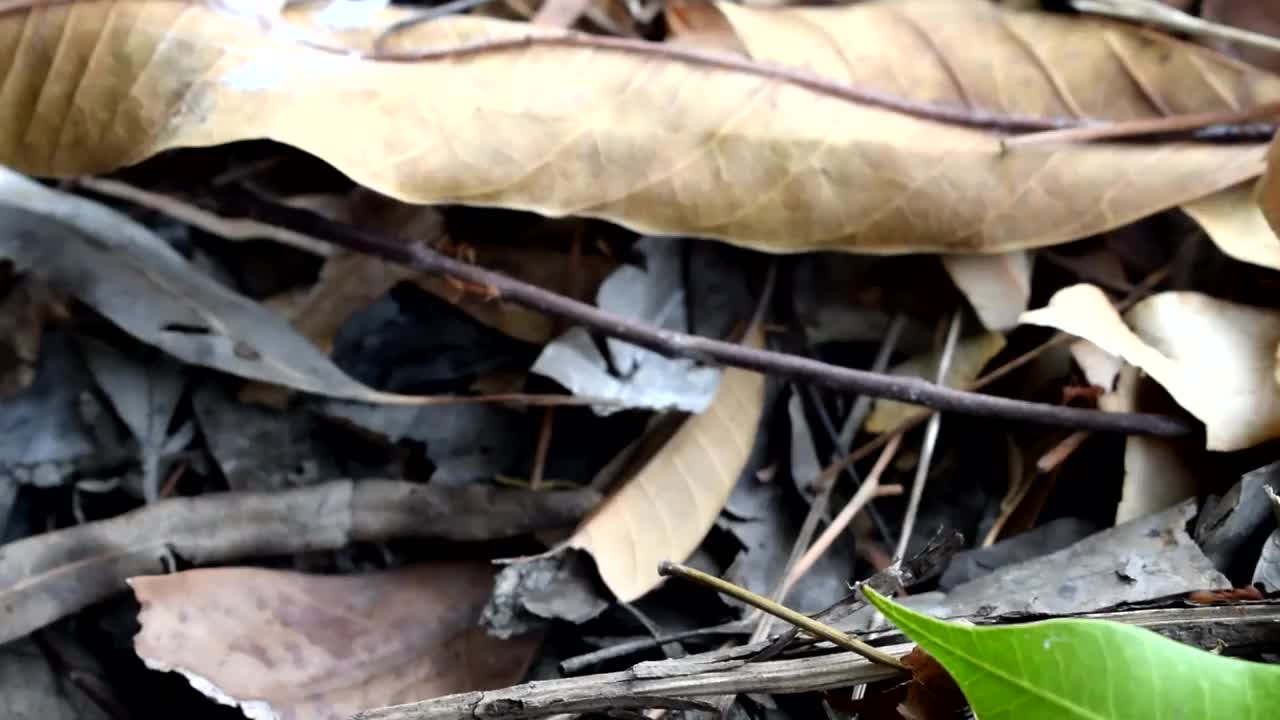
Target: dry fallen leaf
[[997, 286], [308, 647], [1234, 223], [1215, 358], [748, 157], [971, 355], [1158, 473], [134, 278], [665, 510]]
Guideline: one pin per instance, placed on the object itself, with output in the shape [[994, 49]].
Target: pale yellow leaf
[[971, 355], [308, 647], [667, 508], [998, 287], [1232, 220], [664, 146], [1215, 358]]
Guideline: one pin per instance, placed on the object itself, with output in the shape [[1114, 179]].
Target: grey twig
[[47, 577], [916, 391]]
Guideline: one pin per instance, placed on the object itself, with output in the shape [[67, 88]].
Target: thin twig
[[1139, 291], [868, 491], [912, 390], [930, 442], [1164, 16], [1155, 126], [808, 624]]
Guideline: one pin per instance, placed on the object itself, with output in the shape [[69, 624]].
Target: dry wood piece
[[680, 683], [47, 577]]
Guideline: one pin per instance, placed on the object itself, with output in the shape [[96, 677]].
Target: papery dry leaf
[[665, 510], [970, 356], [1215, 358], [700, 23], [134, 278], [308, 647], [1234, 223], [1267, 192], [1157, 474], [572, 130], [998, 287]]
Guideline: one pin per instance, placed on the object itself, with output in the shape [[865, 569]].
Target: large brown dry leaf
[[307, 647], [1233, 222], [664, 511], [1215, 358], [130, 275], [761, 162]]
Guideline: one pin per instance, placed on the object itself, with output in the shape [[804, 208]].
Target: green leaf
[[1094, 669]]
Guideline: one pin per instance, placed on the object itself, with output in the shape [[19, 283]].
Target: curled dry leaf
[[305, 647], [665, 510], [1158, 473], [997, 286], [971, 355], [750, 156], [134, 278], [1215, 358], [1232, 220]]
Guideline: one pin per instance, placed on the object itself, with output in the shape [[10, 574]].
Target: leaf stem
[[808, 624]]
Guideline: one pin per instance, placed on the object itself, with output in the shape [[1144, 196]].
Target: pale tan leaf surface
[[745, 157], [135, 279], [310, 647], [1158, 473], [971, 355], [1232, 220], [998, 287], [1267, 193], [664, 510], [1215, 358]]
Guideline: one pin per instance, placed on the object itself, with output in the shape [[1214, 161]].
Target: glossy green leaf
[[1088, 669]]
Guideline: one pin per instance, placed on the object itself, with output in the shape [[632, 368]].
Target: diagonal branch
[[916, 391]]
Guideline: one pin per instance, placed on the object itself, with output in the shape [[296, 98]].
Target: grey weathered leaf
[[145, 398], [645, 379], [140, 283]]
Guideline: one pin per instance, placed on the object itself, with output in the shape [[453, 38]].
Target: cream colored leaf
[[308, 647], [1101, 369], [667, 508], [1157, 472], [998, 287], [971, 355], [1232, 220], [1215, 358], [741, 155]]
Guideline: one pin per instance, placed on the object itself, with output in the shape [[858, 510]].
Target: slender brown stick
[[866, 492], [916, 391], [804, 622]]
